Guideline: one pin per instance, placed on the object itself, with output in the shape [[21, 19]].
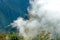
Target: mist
[[43, 15]]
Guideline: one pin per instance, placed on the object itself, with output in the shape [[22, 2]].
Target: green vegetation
[[43, 36], [14, 36]]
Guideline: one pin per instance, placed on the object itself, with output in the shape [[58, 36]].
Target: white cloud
[[43, 14]]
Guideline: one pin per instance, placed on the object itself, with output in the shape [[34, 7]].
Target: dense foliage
[[15, 36]]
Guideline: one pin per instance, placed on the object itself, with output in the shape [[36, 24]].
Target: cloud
[[44, 15]]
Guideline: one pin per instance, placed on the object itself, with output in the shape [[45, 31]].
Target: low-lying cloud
[[43, 15]]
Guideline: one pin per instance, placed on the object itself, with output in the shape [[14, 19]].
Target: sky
[[44, 15], [10, 10]]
